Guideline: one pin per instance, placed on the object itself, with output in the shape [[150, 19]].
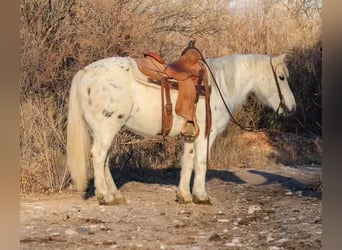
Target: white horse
[[105, 96]]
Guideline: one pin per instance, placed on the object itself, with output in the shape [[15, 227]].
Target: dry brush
[[60, 37]]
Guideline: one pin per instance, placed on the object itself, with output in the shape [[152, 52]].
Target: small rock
[[139, 245], [269, 238], [253, 208], [195, 248], [230, 244], [70, 232], [109, 242], [54, 234], [83, 230], [282, 240], [236, 240], [299, 193], [215, 237], [274, 248]]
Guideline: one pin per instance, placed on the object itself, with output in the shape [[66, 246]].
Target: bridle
[[281, 97], [251, 129]]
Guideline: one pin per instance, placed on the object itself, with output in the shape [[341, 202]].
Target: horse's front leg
[[187, 165], [199, 193]]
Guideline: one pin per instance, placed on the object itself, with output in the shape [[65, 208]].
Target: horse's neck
[[234, 78]]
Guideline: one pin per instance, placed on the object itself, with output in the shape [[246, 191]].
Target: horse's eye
[[281, 77]]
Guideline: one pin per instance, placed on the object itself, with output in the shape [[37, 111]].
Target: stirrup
[[190, 130]]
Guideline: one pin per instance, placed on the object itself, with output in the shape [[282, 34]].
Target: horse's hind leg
[[118, 197], [106, 191]]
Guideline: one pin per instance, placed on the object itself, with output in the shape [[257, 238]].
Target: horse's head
[[274, 91]]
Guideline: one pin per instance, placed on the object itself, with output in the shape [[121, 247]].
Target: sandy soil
[[274, 208]]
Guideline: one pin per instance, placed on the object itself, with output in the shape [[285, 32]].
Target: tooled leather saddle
[[189, 76]]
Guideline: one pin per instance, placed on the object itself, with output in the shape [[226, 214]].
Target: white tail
[[78, 140]]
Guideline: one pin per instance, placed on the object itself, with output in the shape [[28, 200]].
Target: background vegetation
[[60, 37]]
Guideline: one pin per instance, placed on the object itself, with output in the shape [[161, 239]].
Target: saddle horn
[[191, 45]]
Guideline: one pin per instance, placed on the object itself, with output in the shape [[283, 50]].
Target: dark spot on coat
[[113, 85], [191, 151], [120, 116], [89, 90], [107, 113]]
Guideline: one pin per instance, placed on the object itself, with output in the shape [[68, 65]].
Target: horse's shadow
[[170, 176], [288, 183], [162, 176]]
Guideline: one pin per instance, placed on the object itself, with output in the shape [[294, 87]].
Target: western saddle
[[189, 75]]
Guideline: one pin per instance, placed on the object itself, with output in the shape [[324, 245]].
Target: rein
[[248, 129]]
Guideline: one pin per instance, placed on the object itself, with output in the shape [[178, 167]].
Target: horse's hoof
[[183, 199], [101, 199], [205, 201], [119, 199], [109, 199]]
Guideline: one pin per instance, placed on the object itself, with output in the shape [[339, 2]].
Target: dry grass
[[42, 145], [60, 37]]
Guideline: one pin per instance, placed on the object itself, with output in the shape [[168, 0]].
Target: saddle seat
[[185, 74], [185, 67]]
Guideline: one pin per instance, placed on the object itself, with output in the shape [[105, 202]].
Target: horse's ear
[[283, 57], [280, 59]]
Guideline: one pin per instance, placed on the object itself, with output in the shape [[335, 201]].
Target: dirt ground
[[274, 208]]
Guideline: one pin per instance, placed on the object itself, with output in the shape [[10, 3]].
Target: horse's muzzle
[[285, 110]]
